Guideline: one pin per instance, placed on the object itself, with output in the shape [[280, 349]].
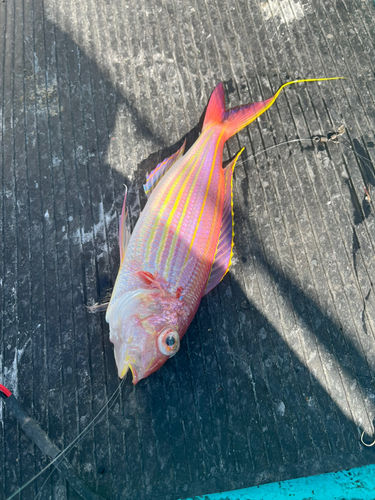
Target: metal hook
[[365, 444]]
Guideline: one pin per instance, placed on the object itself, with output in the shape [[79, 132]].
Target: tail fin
[[237, 118]]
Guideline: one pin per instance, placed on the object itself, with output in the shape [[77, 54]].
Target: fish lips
[[141, 365], [127, 355]]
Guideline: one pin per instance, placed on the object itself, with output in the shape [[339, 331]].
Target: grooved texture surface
[[275, 377]]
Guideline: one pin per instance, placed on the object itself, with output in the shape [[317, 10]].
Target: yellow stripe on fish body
[[171, 190], [204, 200], [186, 206], [192, 172]]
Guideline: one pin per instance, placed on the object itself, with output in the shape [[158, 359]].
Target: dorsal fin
[[124, 228], [162, 168], [224, 251]]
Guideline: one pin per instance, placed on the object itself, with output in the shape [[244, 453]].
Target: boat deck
[[275, 378]]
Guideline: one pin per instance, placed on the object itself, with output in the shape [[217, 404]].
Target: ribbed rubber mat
[[275, 377]]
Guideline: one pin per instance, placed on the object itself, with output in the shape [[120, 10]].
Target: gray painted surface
[[275, 377]]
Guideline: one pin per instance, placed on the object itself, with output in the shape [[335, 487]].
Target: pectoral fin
[[224, 250], [154, 178]]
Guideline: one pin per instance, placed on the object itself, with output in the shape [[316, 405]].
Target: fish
[[182, 244]]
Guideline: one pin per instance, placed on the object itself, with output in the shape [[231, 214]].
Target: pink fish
[[181, 246]]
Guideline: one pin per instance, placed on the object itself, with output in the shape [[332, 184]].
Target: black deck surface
[[275, 378]]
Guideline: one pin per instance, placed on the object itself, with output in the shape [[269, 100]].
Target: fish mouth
[[122, 372], [125, 360]]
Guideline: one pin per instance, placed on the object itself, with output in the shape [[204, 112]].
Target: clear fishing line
[[350, 148], [94, 421]]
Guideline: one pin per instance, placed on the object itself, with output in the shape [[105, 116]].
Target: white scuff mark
[[3, 382], [88, 467], [80, 154], [312, 356], [56, 161], [345, 175], [46, 215], [36, 63], [284, 10], [9, 375], [98, 229], [161, 57], [281, 409], [311, 402], [311, 173], [84, 237]]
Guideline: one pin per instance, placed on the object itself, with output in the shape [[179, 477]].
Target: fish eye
[[168, 342]]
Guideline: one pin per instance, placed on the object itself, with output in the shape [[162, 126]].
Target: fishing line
[[272, 147], [45, 482], [94, 421], [350, 148], [355, 152]]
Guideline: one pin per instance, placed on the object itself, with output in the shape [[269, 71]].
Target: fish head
[[145, 329]]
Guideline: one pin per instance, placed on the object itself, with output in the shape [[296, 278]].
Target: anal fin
[[224, 249]]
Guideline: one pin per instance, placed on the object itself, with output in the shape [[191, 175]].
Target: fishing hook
[[366, 444]]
